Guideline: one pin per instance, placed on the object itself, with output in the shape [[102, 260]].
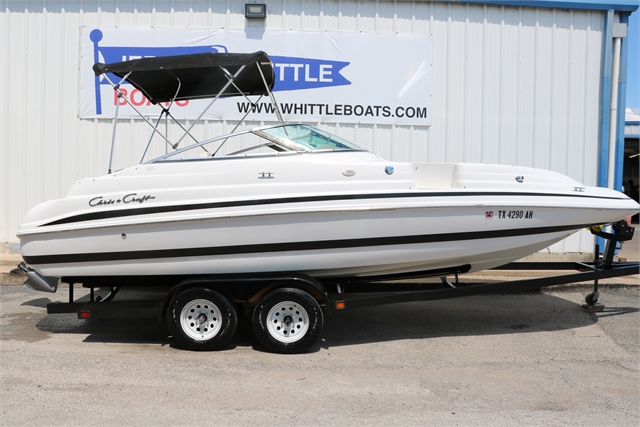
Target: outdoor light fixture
[[255, 10]]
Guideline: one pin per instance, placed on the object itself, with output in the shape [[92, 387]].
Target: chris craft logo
[[129, 198], [291, 73]]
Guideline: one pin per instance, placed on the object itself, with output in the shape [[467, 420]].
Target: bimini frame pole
[[237, 125], [115, 119], [273, 98], [230, 78], [115, 87], [113, 135], [163, 112]]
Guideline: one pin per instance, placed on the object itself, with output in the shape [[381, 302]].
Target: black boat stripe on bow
[[307, 199], [293, 246]]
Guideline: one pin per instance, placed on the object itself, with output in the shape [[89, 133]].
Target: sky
[[633, 65]]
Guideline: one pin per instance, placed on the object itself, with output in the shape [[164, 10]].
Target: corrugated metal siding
[[510, 85], [632, 130]]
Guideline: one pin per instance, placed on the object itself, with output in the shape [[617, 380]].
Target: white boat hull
[[357, 240], [327, 215]]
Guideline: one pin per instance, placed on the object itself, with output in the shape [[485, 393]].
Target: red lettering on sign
[[137, 98]]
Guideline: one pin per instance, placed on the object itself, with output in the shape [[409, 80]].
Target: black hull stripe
[[307, 199], [293, 246]]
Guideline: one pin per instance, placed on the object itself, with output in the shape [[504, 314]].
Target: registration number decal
[[515, 214]]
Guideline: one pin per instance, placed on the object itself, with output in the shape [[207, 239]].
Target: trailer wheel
[[287, 320], [202, 319]]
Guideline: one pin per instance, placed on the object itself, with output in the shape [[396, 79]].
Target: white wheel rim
[[201, 319], [287, 322]]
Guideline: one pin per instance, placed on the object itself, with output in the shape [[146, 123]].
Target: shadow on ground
[[470, 316]]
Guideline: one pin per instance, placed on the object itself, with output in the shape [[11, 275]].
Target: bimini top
[[201, 75]]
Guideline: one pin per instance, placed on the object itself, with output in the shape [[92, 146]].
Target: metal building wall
[[510, 85]]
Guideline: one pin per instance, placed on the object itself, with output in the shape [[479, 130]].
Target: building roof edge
[[617, 5]]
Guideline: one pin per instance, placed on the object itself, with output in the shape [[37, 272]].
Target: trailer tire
[[287, 320], [202, 319]]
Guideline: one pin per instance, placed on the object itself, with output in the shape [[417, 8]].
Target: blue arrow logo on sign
[[304, 73]]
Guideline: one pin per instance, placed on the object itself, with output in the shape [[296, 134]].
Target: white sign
[[325, 76]]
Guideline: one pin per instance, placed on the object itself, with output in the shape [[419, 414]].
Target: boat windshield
[[300, 137], [287, 138]]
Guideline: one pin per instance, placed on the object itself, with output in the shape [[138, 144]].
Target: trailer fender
[[242, 288]]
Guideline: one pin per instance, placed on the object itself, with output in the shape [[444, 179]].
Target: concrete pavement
[[526, 359]]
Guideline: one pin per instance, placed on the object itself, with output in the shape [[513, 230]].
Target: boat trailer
[[336, 295]]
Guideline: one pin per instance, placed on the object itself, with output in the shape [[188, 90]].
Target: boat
[[280, 222], [290, 197]]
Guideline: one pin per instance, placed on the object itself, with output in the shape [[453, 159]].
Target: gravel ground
[[520, 359]]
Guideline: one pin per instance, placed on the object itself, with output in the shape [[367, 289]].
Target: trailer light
[[340, 305], [84, 314]]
